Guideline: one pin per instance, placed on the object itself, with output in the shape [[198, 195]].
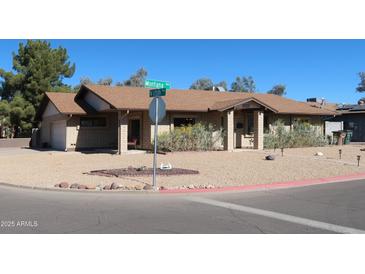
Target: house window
[[180, 122], [92, 122]]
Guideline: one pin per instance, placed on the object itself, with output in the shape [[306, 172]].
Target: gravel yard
[[242, 167]]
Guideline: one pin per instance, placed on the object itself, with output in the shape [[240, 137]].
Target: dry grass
[[216, 168]]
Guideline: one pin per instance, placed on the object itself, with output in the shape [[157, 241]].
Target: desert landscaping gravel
[[220, 168]]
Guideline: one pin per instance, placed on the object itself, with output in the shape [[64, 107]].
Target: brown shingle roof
[[133, 98], [328, 106], [65, 102]]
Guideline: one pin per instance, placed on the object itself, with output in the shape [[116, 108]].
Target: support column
[[146, 131], [229, 130], [122, 132], [258, 130]]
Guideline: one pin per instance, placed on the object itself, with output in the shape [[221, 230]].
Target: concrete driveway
[[329, 208]]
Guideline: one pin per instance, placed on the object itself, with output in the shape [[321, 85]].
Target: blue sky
[[309, 68]]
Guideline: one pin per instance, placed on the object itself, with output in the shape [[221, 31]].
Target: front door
[[134, 130]]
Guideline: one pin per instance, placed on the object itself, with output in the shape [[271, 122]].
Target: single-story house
[[353, 118], [100, 116]]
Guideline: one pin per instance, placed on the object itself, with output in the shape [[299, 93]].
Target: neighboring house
[[111, 117], [353, 119], [331, 124]]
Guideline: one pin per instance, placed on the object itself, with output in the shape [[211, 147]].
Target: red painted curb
[[270, 186]]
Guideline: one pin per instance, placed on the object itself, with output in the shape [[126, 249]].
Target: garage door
[[58, 135]]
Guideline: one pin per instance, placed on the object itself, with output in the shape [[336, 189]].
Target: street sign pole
[[154, 183], [157, 112]]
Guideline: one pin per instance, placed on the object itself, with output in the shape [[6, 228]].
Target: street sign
[[157, 84], [157, 112], [158, 92], [161, 109]]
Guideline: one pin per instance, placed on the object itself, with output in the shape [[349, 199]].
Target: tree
[[361, 85], [202, 84], [278, 90], [4, 117], [105, 81], [16, 116], [83, 81], [136, 80], [244, 84], [222, 84], [37, 68]]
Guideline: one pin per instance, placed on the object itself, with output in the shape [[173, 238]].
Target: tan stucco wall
[[82, 137]]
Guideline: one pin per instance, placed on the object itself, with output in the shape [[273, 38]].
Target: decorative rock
[[74, 186], [191, 187], [114, 186], [98, 187], [57, 185], [82, 187], [141, 168], [148, 187], [138, 187], [270, 157], [107, 187], [63, 185], [210, 186], [90, 187], [318, 154], [163, 188]]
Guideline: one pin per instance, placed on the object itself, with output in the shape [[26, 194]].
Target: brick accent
[[258, 130], [146, 131], [122, 132], [229, 130]]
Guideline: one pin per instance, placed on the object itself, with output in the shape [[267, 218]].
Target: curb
[[269, 186], [276, 185], [68, 190]]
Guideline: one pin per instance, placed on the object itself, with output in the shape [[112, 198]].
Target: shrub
[[301, 135], [191, 138]]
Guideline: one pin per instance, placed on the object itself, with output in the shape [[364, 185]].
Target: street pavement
[[327, 208]]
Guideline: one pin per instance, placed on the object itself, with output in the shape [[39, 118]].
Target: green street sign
[[157, 84], [158, 92]]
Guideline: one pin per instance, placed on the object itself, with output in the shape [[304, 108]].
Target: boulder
[[57, 185], [141, 168], [191, 187], [318, 154], [114, 186], [138, 187], [74, 186], [107, 187], [270, 157], [90, 187], [163, 188], [63, 185], [147, 187], [82, 187]]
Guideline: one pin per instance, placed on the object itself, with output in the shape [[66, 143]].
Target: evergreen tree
[[37, 68]]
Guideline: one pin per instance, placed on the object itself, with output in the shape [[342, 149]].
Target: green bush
[[301, 135], [196, 137]]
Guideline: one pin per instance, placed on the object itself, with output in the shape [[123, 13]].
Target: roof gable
[[64, 103]]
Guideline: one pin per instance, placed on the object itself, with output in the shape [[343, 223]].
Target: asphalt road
[[328, 208]]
